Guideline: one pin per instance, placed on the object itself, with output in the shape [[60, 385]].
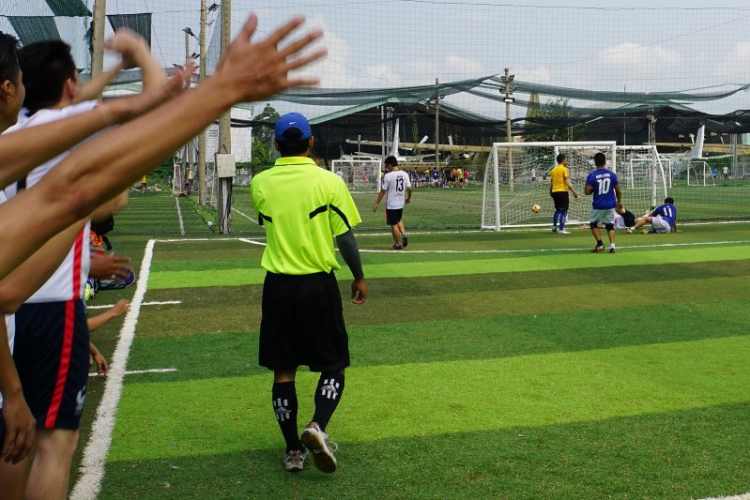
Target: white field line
[[245, 216], [543, 250], [138, 372], [95, 454], [252, 242], [179, 214], [164, 303], [744, 496]]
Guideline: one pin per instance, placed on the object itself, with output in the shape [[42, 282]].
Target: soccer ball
[[536, 208]]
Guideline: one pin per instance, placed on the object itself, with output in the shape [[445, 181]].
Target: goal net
[[700, 173], [359, 175], [517, 178]]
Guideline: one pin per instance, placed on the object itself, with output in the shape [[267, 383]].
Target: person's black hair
[[669, 200], [600, 160], [290, 143], [392, 161], [46, 66], [8, 57], [560, 158]]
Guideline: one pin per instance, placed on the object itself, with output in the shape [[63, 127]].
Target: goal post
[[359, 175], [641, 173], [517, 178]]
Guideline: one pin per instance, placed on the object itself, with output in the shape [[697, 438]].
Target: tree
[[554, 114], [262, 136]]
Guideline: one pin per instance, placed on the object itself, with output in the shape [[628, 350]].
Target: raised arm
[[247, 72], [21, 152]]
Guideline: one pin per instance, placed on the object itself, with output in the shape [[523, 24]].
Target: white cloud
[[540, 74], [735, 65], [463, 68], [629, 56], [332, 70]]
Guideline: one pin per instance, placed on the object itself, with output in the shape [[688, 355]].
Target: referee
[[301, 207]]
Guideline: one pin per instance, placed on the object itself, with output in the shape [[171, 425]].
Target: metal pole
[[437, 124], [97, 37], [382, 132], [202, 135], [508, 137], [190, 156]]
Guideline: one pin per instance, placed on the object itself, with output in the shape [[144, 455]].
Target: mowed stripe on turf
[[232, 414], [399, 269]]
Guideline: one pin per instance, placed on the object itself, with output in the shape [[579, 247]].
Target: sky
[[634, 45]]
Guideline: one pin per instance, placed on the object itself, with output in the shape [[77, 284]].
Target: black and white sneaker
[[404, 240], [317, 442]]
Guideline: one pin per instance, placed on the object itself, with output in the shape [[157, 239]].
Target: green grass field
[[484, 365]]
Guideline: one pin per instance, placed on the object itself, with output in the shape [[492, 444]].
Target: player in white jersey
[[398, 188]]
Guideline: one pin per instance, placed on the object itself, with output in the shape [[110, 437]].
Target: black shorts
[[52, 358], [303, 323], [562, 200], [393, 217]]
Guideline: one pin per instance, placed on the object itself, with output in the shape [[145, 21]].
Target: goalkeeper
[[558, 190]]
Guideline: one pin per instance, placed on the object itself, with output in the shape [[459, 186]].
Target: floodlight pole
[[97, 37], [437, 124], [202, 135]]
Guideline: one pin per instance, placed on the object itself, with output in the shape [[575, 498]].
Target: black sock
[[327, 397], [599, 243], [284, 397]]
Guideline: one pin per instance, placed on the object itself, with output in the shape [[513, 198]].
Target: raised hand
[[255, 71], [132, 48]]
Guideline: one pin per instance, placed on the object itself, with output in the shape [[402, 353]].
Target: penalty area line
[[95, 453]]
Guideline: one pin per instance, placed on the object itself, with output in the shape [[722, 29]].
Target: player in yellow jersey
[[558, 190]]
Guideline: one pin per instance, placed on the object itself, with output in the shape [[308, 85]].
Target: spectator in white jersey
[[398, 188], [52, 337]]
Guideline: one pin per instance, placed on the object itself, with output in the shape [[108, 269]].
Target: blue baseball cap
[[290, 121]]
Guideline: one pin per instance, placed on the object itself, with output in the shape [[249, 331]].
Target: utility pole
[[437, 124], [382, 132], [190, 151], [651, 127], [224, 199], [507, 79], [225, 120], [202, 135], [97, 37]]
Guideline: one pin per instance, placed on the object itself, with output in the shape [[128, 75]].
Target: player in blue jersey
[[605, 187], [662, 220]]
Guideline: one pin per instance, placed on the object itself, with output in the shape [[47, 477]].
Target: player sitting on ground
[[662, 220]]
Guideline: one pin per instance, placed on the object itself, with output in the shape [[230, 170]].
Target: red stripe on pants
[[67, 343], [62, 371]]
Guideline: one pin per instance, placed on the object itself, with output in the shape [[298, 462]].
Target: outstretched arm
[[21, 152], [247, 72]]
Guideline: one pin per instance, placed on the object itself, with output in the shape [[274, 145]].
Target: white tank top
[[69, 280]]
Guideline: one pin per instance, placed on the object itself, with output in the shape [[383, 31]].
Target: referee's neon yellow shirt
[[302, 207]]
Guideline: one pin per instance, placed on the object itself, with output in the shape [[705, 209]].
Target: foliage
[[556, 112], [262, 137]]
